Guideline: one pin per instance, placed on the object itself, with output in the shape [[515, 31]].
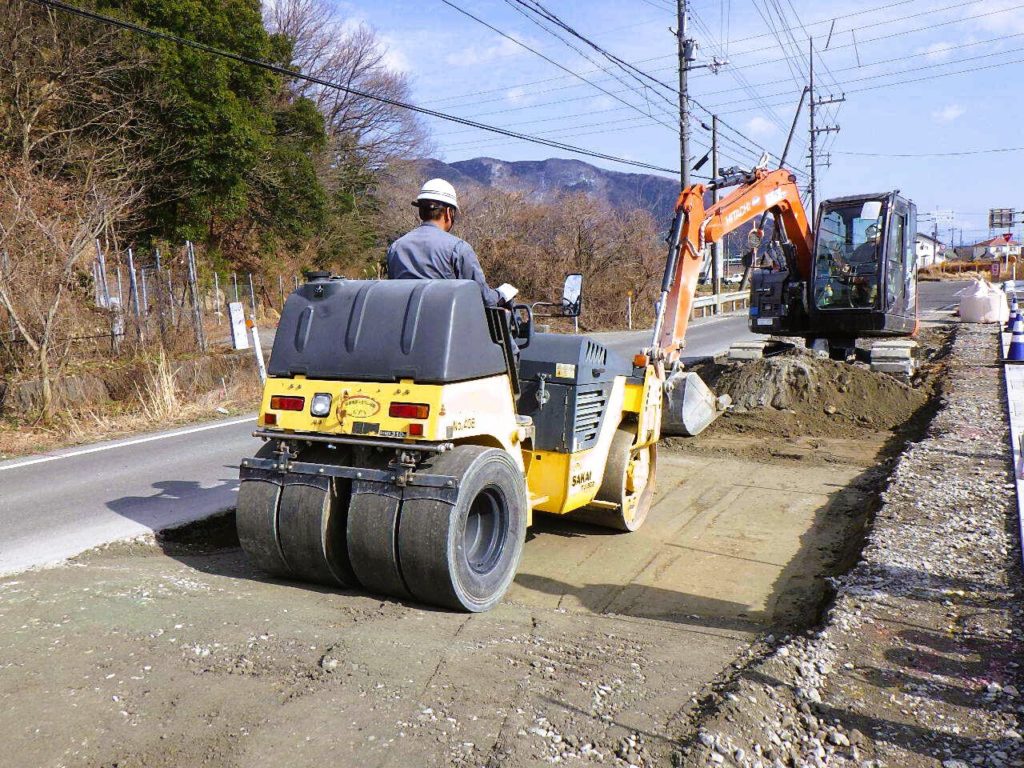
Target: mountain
[[553, 177]]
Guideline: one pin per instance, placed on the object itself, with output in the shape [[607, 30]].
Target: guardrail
[[723, 302]]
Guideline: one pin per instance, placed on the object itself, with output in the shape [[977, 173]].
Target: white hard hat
[[440, 191]]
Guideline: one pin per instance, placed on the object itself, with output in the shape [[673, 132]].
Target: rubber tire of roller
[[311, 523], [431, 532], [256, 522], [373, 541], [613, 486]]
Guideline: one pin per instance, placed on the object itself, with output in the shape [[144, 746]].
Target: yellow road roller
[[412, 433]]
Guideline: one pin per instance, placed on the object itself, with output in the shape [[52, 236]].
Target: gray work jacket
[[430, 253]]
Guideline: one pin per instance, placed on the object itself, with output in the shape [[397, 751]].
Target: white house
[[998, 248], [929, 251]]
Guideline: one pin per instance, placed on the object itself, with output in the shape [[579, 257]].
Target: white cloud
[[937, 51], [761, 126], [475, 55], [518, 96], [394, 58], [948, 113], [1003, 16]]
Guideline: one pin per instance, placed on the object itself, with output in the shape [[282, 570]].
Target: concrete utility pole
[[716, 249], [814, 147], [686, 55], [815, 130]]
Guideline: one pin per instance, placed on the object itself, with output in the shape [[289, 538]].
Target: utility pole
[[814, 144], [686, 55], [815, 130], [716, 272]]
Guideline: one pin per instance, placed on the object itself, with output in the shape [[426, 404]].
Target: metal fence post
[[133, 295], [216, 297], [145, 293], [103, 273], [234, 282], [252, 295], [197, 312], [5, 266], [170, 299]]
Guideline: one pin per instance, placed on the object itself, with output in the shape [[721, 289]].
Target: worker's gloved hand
[[507, 293]]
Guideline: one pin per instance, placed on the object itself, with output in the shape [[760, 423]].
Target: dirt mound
[[799, 393]]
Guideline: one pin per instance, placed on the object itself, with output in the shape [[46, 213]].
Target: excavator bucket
[[690, 405]]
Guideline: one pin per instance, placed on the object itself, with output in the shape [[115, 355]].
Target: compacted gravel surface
[[918, 661]]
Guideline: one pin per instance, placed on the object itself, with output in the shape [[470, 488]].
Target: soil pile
[[798, 392]]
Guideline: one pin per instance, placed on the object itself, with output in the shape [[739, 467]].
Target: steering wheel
[[871, 232]]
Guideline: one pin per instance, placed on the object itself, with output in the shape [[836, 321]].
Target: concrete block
[[894, 367], [747, 350], [893, 349], [892, 353]]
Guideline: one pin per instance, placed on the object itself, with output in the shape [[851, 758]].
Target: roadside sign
[[239, 334], [994, 266], [1000, 218]]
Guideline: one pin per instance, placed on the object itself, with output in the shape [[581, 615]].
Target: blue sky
[[459, 66]]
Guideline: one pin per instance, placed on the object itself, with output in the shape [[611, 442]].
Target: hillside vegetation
[[110, 141]]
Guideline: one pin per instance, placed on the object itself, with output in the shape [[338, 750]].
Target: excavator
[[854, 277], [411, 433]]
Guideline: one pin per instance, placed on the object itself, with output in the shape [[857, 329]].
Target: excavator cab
[[861, 281], [863, 260]]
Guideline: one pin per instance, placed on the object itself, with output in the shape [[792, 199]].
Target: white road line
[[125, 443]]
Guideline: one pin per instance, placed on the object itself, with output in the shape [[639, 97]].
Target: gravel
[[918, 660]]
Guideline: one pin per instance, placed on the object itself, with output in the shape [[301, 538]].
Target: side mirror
[[754, 238], [522, 325], [572, 295]]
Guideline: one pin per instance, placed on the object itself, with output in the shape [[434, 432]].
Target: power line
[[636, 73], [733, 68], [960, 153], [291, 74], [546, 58], [519, 7], [503, 89], [907, 71]]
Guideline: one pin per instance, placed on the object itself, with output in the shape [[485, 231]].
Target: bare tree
[[354, 56], [47, 229], [72, 130]]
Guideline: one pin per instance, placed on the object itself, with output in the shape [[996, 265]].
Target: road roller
[[411, 435]]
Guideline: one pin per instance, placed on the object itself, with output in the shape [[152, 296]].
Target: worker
[[431, 252]]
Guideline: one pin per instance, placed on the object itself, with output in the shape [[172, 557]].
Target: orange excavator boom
[[757, 192]]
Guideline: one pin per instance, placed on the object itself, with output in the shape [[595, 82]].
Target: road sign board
[[239, 333], [1001, 218], [994, 266]]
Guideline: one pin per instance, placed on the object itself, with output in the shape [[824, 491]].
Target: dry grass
[[160, 405]]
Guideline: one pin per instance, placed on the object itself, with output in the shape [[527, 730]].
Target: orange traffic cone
[[1016, 351]]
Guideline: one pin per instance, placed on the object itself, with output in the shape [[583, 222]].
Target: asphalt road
[[59, 504]]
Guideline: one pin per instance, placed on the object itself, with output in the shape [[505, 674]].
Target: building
[[929, 251], [996, 249]]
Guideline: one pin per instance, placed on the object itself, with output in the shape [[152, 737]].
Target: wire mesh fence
[[170, 297]]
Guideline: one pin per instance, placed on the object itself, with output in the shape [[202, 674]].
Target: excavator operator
[[431, 252]]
